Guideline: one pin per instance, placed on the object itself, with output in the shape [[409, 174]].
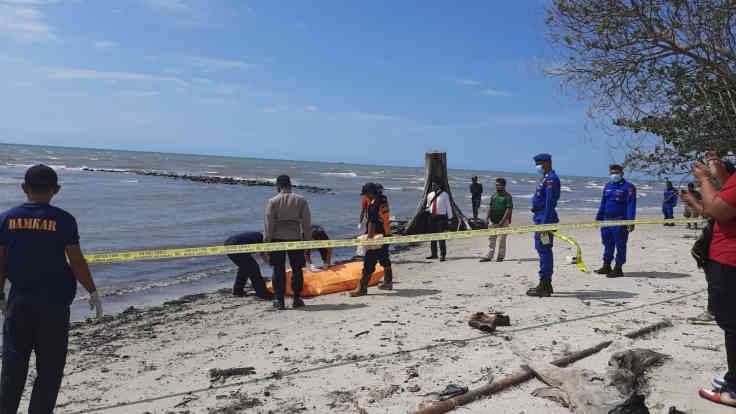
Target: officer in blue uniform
[[669, 203], [544, 203], [618, 203]]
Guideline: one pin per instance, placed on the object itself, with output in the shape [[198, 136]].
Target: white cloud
[[210, 65], [310, 108], [375, 117], [104, 44], [25, 23], [168, 5], [139, 94], [31, 2], [215, 101], [468, 82], [276, 108], [71, 73], [495, 92]]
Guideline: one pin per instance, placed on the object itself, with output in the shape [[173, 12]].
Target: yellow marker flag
[[579, 256]]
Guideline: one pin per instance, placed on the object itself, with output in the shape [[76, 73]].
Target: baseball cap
[[41, 176], [283, 181]]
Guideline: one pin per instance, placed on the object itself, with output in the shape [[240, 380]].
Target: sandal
[[719, 396]]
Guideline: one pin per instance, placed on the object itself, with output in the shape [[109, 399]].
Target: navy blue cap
[[542, 157], [283, 181]]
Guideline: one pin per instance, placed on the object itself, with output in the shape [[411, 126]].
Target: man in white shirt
[[440, 210]]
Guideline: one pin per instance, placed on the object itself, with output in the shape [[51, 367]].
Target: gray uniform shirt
[[287, 218]]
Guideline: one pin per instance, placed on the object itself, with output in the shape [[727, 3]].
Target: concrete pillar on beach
[[435, 170]]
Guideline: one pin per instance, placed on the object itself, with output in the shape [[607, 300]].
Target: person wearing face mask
[[544, 203], [669, 203], [618, 203], [499, 215]]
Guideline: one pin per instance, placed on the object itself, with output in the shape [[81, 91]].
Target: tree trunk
[[435, 170]]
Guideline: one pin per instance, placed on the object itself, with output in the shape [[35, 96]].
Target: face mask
[[616, 178], [540, 169]]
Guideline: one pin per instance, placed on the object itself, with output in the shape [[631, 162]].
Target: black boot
[[617, 271], [238, 291], [279, 304], [605, 269], [544, 289], [298, 302], [388, 280]]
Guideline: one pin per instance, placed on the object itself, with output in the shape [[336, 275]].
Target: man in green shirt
[[499, 215]]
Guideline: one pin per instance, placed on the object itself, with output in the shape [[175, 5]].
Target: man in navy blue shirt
[[248, 268], [618, 203], [544, 204], [669, 203], [36, 240]]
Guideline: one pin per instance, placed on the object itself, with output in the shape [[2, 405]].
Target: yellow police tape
[[579, 256], [319, 244]]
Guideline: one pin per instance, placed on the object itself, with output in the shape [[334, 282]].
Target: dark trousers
[[45, 330], [615, 238], [438, 224], [376, 256], [721, 285], [278, 261], [248, 268]]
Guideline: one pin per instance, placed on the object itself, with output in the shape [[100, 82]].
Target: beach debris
[[384, 393], [220, 374], [588, 392], [525, 375], [342, 400], [452, 390], [488, 323], [413, 388], [361, 333], [242, 402]]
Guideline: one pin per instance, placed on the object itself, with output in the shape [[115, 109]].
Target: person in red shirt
[[721, 266]]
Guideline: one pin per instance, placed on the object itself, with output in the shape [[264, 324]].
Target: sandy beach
[[389, 351]]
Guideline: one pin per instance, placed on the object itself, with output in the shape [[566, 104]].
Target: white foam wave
[[565, 188], [340, 174]]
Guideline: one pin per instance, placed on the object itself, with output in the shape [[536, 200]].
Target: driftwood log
[[527, 374], [435, 171]]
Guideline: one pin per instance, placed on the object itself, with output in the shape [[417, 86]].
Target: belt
[[537, 209], [614, 216]]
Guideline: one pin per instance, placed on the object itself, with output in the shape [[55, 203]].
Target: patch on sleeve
[[550, 183], [631, 190]]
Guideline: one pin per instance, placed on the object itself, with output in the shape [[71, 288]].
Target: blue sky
[[374, 82]]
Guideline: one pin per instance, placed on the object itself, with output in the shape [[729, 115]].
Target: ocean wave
[[566, 189], [212, 172], [524, 196], [215, 166], [138, 287], [340, 174], [129, 181]]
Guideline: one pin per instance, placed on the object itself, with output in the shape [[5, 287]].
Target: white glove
[[360, 225], [95, 304]]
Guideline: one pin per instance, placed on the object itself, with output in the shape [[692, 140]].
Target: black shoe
[[265, 296], [500, 259], [442, 259], [238, 292], [543, 290], [485, 259], [605, 269], [431, 257], [617, 271], [278, 304], [298, 303]]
